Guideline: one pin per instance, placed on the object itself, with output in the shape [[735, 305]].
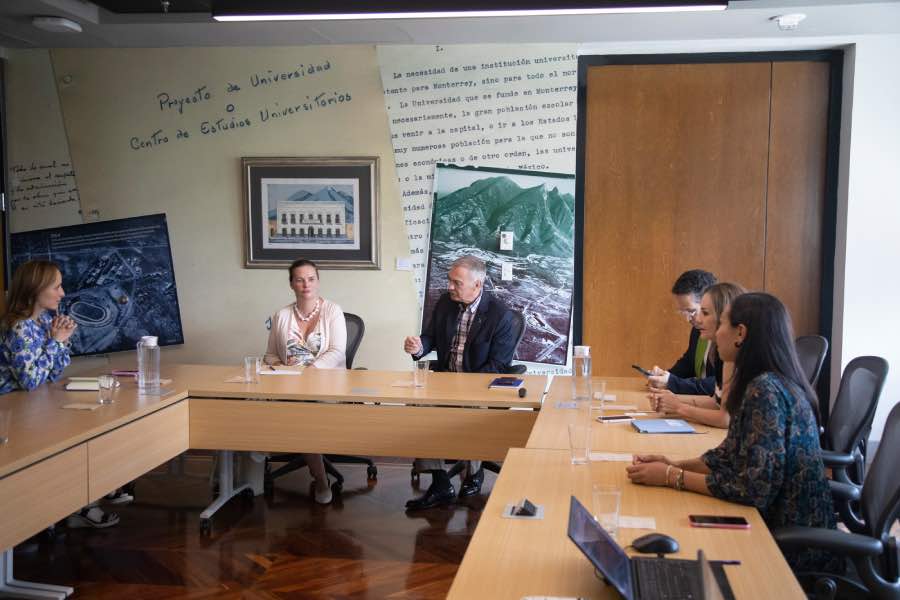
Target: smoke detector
[[789, 22], [56, 24]]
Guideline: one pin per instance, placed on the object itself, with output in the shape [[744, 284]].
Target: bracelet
[[668, 469], [679, 481]]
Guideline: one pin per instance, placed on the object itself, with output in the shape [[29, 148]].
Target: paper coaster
[[611, 457], [630, 522]]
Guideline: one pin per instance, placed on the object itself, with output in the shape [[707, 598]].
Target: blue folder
[[662, 426]]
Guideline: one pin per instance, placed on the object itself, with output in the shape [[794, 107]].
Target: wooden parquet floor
[[364, 545]]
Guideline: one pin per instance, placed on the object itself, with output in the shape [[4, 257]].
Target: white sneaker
[[324, 497]]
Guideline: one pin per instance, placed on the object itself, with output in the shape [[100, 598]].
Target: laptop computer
[[641, 578]]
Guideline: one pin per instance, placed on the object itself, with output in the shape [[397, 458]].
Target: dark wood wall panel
[[796, 189], [675, 178]]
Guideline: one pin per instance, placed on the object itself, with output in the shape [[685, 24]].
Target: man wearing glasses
[[689, 375]]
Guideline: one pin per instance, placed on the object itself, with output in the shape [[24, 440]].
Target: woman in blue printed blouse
[[770, 458], [34, 350], [33, 347]]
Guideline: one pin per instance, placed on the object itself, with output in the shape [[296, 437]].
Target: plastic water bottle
[[581, 373], [148, 365]]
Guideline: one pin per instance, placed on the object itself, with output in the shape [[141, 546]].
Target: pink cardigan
[[334, 336]]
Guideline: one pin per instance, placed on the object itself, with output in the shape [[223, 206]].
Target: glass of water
[[607, 499], [252, 365], [420, 375], [106, 388], [5, 420]]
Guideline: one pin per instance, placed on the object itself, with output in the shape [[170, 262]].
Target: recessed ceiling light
[[56, 24]]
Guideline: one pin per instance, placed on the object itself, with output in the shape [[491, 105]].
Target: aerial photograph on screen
[[118, 278], [471, 208]]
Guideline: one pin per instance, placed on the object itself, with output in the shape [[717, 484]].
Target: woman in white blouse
[[310, 332]]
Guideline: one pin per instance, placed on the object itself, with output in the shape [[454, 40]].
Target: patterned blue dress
[[771, 459], [29, 356]]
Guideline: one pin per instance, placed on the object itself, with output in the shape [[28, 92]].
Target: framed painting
[[321, 209]]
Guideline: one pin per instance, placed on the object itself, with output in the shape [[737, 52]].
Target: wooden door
[[718, 166]]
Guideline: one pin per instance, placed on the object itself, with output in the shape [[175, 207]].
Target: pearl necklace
[[310, 315]]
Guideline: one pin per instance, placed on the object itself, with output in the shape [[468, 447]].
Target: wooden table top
[[41, 428], [509, 558], [339, 385], [551, 429]]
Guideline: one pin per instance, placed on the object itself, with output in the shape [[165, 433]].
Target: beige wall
[[111, 96], [36, 136]]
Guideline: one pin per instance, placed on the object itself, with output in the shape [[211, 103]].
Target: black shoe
[[436, 495], [472, 484]]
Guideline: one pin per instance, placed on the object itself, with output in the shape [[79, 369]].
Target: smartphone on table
[[717, 521]]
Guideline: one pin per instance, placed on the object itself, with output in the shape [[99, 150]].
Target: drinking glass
[[607, 499], [5, 419], [106, 388], [420, 374], [252, 365], [578, 444]]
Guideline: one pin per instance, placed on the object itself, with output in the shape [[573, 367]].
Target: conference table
[[59, 459], [515, 558]]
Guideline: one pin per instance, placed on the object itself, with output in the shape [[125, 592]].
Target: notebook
[[506, 383], [662, 426]]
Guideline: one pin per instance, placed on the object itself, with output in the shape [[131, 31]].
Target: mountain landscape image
[[542, 218]]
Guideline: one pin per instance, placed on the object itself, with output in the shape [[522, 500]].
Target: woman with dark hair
[[706, 409], [310, 332], [771, 457]]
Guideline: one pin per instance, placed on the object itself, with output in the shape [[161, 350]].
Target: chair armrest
[[837, 459], [850, 544], [844, 491]]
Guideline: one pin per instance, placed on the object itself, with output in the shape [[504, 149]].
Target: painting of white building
[[305, 214]]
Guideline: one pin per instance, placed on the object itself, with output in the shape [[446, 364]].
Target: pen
[[726, 562]]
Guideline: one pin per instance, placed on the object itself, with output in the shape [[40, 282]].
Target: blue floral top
[[771, 459], [29, 356]]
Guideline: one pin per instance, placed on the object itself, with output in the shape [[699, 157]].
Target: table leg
[[227, 489], [10, 587]]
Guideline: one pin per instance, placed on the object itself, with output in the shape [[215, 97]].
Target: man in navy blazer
[[472, 332], [692, 373]]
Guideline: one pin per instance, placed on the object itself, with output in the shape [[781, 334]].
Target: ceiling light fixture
[[56, 24], [273, 10]]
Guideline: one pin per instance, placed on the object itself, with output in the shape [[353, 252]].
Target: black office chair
[[811, 350], [356, 328], [870, 547], [518, 326], [851, 418]]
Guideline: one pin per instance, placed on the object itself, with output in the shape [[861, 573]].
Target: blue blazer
[[490, 344], [682, 377]]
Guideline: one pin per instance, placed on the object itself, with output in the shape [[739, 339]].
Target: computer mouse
[[655, 543]]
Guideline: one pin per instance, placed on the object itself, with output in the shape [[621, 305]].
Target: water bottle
[[581, 373], [148, 365], [582, 391]]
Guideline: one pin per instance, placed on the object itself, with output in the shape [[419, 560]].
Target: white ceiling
[[746, 19]]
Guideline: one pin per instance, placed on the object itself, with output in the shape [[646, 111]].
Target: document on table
[[630, 522], [82, 405], [281, 372], [611, 457]]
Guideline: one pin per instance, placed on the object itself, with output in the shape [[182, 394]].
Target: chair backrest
[[857, 399], [519, 326], [881, 491], [355, 330], [811, 350]]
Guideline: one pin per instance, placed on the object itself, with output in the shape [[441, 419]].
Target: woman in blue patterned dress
[[33, 347], [34, 350], [771, 457]]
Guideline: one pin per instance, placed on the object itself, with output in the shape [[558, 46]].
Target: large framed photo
[[321, 209]]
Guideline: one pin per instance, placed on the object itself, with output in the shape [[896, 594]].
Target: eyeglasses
[[688, 313]]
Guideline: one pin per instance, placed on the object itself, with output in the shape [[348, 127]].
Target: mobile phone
[[615, 419], [718, 521], [641, 370]]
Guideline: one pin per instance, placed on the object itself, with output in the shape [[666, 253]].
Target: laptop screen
[[603, 551]]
